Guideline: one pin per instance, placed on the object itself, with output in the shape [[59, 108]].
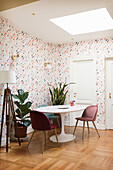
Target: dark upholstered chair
[[40, 122], [50, 116], [89, 114]]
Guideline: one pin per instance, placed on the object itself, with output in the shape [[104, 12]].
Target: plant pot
[[20, 131]]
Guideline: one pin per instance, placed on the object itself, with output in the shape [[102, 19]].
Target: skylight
[[85, 22]]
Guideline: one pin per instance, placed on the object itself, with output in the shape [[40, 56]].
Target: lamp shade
[[7, 77]]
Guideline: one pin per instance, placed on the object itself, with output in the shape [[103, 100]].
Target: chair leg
[[75, 127], [31, 138], [96, 128], [48, 133], [19, 141], [45, 136], [42, 142], [88, 127], [58, 123], [56, 136], [83, 130]]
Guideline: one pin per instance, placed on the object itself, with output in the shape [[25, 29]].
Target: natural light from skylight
[[85, 22]]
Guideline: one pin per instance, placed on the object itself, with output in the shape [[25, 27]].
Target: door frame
[[77, 59], [107, 120]]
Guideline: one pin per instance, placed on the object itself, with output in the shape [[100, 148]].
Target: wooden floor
[[92, 153]]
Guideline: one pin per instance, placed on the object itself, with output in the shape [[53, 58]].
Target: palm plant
[[22, 108], [58, 93]]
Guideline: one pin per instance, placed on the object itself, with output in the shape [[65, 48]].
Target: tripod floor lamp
[[7, 77]]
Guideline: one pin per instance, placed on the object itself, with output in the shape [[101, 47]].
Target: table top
[[61, 108]]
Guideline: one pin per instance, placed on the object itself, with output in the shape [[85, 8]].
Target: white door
[[83, 73], [109, 94]]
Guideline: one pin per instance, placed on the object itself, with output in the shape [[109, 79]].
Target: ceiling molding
[[8, 4]]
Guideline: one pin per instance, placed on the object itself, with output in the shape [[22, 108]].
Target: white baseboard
[[101, 127], [67, 123], [80, 123], [3, 142]]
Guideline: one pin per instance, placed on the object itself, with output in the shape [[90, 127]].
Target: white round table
[[62, 110]]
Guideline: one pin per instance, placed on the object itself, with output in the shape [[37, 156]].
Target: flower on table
[[72, 101]]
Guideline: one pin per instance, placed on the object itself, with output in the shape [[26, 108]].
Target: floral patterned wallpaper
[[31, 74]]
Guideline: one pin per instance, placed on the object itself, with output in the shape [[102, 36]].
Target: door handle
[[75, 94], [110, 95]]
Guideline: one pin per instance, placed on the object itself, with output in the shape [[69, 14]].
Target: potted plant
[[22, 117], [58, 93]]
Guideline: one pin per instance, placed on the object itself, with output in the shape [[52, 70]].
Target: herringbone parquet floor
[[92, 153]]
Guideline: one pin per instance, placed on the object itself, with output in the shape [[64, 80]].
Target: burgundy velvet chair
[[89, 114], [40, 122]]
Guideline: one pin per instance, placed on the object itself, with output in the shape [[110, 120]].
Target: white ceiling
[[40, 26]]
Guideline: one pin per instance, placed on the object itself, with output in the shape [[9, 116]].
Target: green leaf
[[15, 96], [51, 94], [27, 117], [20, 91], [22, 110], [64, 86], [18, 111], [19, 114], [58, 95], [19, 117], [25, 106], [28, 104], [26, 122], [49, 85], [25, 112], [72, 83], [20, 98], [17, 103], [60, 85], [24, 96]]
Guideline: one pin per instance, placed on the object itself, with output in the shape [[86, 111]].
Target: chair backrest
[[47, 114], [42, 105], [91, 112], [39, 121]]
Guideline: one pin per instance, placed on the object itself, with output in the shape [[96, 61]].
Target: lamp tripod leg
[[7, 106], [7, 117], [2, 118]]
